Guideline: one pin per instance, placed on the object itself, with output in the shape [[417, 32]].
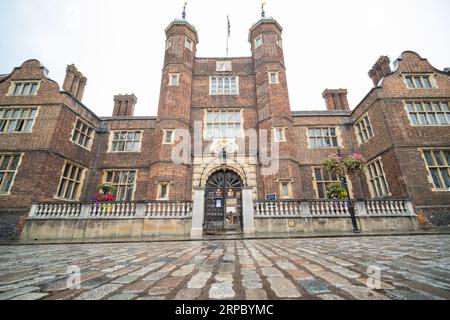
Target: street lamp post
[[350, 206]]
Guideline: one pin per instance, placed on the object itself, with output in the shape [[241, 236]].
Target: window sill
[[121, 152], [79, 145]]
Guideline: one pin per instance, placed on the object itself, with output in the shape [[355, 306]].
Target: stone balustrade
[[273, 209], [388, 208], [168, 210], [114, 210], [329, 208]]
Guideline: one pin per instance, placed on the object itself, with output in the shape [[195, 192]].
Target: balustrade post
[[305, 210], [33, 210], [410, 208], [360, 208], [140, 210], [198, 213], [85, 208]]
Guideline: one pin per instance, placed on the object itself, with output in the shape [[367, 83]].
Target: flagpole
[[228, 33]]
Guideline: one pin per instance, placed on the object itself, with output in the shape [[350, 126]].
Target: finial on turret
[[263, 4], [183, 15]]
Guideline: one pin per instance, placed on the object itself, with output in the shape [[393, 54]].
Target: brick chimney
[[380, 69], [75, 82], [124, 105], [336, 99]]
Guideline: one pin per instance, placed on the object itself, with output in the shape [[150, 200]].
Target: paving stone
[[199, 280], [328, 296], [138, 287], [346, 272], [99, 293], [283, 288], [224, 277], [188, 294], [286, 266], [271, 272], [363, 293], [31, 296], [155, 276], [184, 271], [255, 294], [165, 286], [14, 293], [123, 297], [91, 284], [221, 291], [333, 279], [226, 268], [252, 284], [126, 279], [300, 275], [401, 294], [314, 286]]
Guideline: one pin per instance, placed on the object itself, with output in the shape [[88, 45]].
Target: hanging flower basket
[[353, 164], [105, 194], [336, 192]]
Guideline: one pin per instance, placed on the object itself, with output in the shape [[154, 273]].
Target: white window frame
[[428, 114], [323, 137], [12, 88], [120, 185], [220, 124], [281, 130], [281, 184], [76, 197], [160, 186], [188, 43], [277, 77], [360, 131], [8, 170], [9, 119], [168, 43], [211, 93], [171, 77], [91, 136], [279, 41], [374, 192], [165, 132], [259, 41], [420, 76], [436, 166], [111, 141]]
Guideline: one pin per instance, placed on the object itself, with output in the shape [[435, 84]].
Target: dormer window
[[188, 43], [26, 88], [258, 41], [419, 82]]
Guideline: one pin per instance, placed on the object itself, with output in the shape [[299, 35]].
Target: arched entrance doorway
[[223, 203]]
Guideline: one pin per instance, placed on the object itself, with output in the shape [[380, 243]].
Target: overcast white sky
[[119, 44]]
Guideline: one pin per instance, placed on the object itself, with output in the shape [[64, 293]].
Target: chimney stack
[[380, 69], [336, 99], [124, 105], [75, 82]]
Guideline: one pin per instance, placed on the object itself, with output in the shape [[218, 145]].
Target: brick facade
[[396, 142]]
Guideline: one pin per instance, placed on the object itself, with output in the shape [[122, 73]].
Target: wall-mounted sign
[[271, 197]]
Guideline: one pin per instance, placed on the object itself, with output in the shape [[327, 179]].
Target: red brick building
[[54, 148]]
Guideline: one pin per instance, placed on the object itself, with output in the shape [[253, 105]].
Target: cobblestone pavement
[[411, 267]]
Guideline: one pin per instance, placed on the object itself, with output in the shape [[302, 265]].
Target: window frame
[[121, 185], [213, 124], [111, 141], [259, 39], [8, 170], [189, 41], [359, 132], [277, 77], [80, 182], [427, 114], [10, 119], [370, 180], [281, 130], [281, 184], [171, 76], [13, 88], [159, 190], [421, 77], [229, 78], [88, 147], [165, 131], [325, 183], [428, 167], [323, 138]]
